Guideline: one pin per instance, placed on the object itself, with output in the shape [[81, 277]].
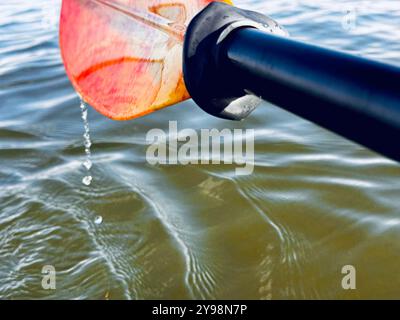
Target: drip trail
[[87, 180]]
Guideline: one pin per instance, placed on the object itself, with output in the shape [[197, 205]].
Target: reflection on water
[[314, 203]]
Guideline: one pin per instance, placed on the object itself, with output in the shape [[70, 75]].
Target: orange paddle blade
[[124, 57]]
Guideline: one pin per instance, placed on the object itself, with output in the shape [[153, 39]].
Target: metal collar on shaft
[[202, 69]]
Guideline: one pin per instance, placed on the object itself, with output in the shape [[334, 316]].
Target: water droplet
[[88, 144], [98, 220], [83, 105], [84, 115], [87, 164], [87, 180]]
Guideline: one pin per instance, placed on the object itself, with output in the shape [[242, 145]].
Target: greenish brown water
[[314, 203]]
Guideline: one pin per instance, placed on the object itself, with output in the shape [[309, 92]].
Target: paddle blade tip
[[124, 57]]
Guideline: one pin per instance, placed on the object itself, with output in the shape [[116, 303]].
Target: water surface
[[315, 201]]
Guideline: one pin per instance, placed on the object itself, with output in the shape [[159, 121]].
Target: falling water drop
[[98, 220], [87, 180], [84, 115], [87, 164]]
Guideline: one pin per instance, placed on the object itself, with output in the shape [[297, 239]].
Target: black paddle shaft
[[352, 96]]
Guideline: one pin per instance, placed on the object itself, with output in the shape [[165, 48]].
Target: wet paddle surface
[[315, 202]]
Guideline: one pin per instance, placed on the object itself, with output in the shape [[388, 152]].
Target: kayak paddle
[[128, 58]]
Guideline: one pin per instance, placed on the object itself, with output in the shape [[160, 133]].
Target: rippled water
[[314, 203]]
